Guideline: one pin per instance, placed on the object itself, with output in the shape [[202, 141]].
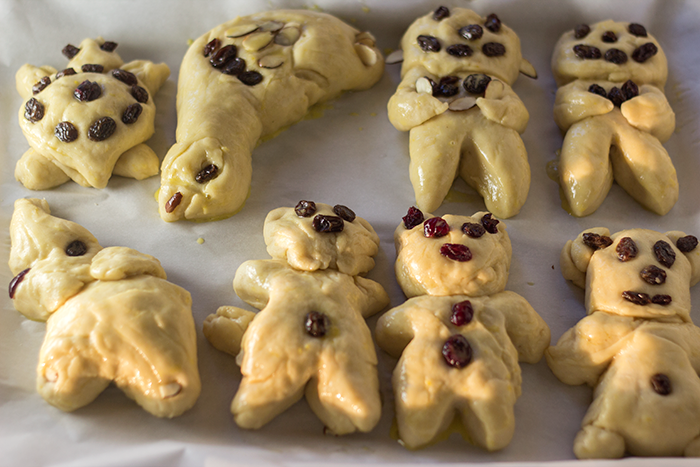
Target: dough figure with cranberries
[[612, 108], [461, 335], [89, 120], [310, 337], [638, 347], [247, 79], [110, 316], [456, 100]]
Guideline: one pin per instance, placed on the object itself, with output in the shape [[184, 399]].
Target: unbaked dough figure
[[461, 335], [89, 120], [456, 100], [243, 81], [637, 346], [310, 337], [110, 316], [612, 107]]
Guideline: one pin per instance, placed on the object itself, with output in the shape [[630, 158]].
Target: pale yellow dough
[[50, 161], [220, 119], [110, 317]]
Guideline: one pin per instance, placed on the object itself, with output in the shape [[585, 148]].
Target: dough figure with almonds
[[310, 337], [90, 120], [612, 108], [637, 346], [110, 316], [245, 80], [461, 335], [464, 119]]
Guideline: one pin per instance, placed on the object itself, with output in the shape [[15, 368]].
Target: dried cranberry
[[493, 23], [66, 132], [644, 52], [139, 93], [224, 55], [441, 13], [76, 248], [459, 50], [316, 324], [234, 67], [462, 313], [208, 173], [87, 91], [596, 89], [327, 224], [15, 282], [587, 52], [473, 230], [457, 351], [595, 241], [41, 85], [493, 49], [305, 208], [70, 51], [630, 89], [447, 87], [250, 78], [662, 300], [173, 202], [653, 275], [616, 96], [638, 298], [131, 114], [436, 227], [476, 83], [211, 46], [33, 110], [92, 68], [661, 384], [664, 253], [471, 32], [429, 43], [687, 244], [616, 56], [344, 212], [637, 30], [581, 31], [413, 217], [109, 46], [125, 77], [626, 249], [456, 252], [101, 129], [66, 72], [490, 223], [609, 36]]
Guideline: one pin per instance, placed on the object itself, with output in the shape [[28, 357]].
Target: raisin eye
[[327, 224], [664, 253], [76, 248], [595, 241], [316, 324], [305, 208], [413, 217], [661, 384], [436, 227], [344, 212], [457, 351]]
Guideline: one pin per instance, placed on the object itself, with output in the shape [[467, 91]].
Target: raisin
[[109, 46], [626, 249], [208, 173], [661, 384], [41, 85], [473, 230], [644, 52], [234, 67], [616, 56], [596, 89], [653, 275], [344, 212], [139, 93], [471, 32], [173, 202], [211, 46], [587, 52], [92, 68], [441, 13], [66, 72], [595, 241], [413, 217], [637, 30], [447, 87], [15, 282], [664, 253], [493, 23], [490, 223], [305, 208], [76, 248], [609, 36], [124, 76], [638, 298], [581, 31], [456, 252], [687, 244], [70, 51], [435, 227], [459, 50], [224, 55], [66, 132], [101, 129], [87, 91], [630, 89], [457, 351], [662, 300], [327, 224], [33, 110], [429, 43], [316, 324], [131, 114], [616, 96], [250, 78], [493, 49], [462, 313], [476, 83]]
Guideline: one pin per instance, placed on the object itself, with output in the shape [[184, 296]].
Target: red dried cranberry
[[626, 249], [661, 384], [207, 174], [662, 300], [462, 313], [638, 298], [471, 32], [15, 282], [493, 49], [109, 46], [101, 129], [92, 68], [459, 50], [644, 52], [87, 91], [473, 230], [211, 46], [132, 113], [41, 85], [609, 37], [616, 56], [637, 30], [139, 93], [33, 110], [125, 77], [224, 55], [76, 248], [664, 253], [595, 241], [489, 223], [441, 13], [687, 244], [581, 31], [456, 252], [344, 212], [630, 89], [250, 78], [66, 72], [316, 324], [234, 67], [596, 89], [413, 217], [587, 52], [436, 227], [429, 43], [66, 132], [476, 83], [327, 224], [173, 202], [457, 351], [305, 208], [653, 275], [70, 51], [493, 23]]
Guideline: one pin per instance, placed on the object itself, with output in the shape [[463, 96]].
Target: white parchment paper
[[352, 156]]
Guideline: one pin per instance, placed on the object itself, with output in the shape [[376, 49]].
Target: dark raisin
[[92, 68], [581, 31], [637, 30], [435, 227], [101, 129], [493, 49], [459, 50], [595, 241], [630, 89], [15, 282], [139, 93], [131, 114], [644, 52], [327, 224], [316, 324], [687, 244], [250, 78], [616, 56], [33, 110], [124, 76], [664, 253], [653, 275], [234, 67], [66, 72], [429, 43], [493, 23], [662, 300], [490, 223], [66, 132], [70, 51], [471, 32], [476, 83], [224, 55], [109, 46], [41, 85], [208, 173], [211, 46], [462, 313], [626, 249], [587, 52], [173, 202], [76, 248], [87, 91], [305, 208], [473, 230], [616, 96], [638, 298], [447, 87], [609, 36], [596, 89], [413, 217], [456, 252], [457, 351], [441, 13], [661, 384], [344, 212]]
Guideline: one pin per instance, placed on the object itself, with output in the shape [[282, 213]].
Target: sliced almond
[[366, 54], [366, 38], [257, 41], [170, 390], [464, 103], [527, 69], [423, 85], [287, 36], [394, 57], [271, 61], [241, 30], [271, 26]]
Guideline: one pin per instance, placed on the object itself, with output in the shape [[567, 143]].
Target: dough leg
[[593, 442], [139, 162], [36, 172], [258, 402], [489, 418]]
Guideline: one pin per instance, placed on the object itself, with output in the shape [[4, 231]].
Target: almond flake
[[271, 61], [257, 41], [287, 36], [394, 57], [366, 54], [423, 85], [465, 103], [241, 30]]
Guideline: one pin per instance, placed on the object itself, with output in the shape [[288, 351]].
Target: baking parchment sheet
[[351, 155]]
